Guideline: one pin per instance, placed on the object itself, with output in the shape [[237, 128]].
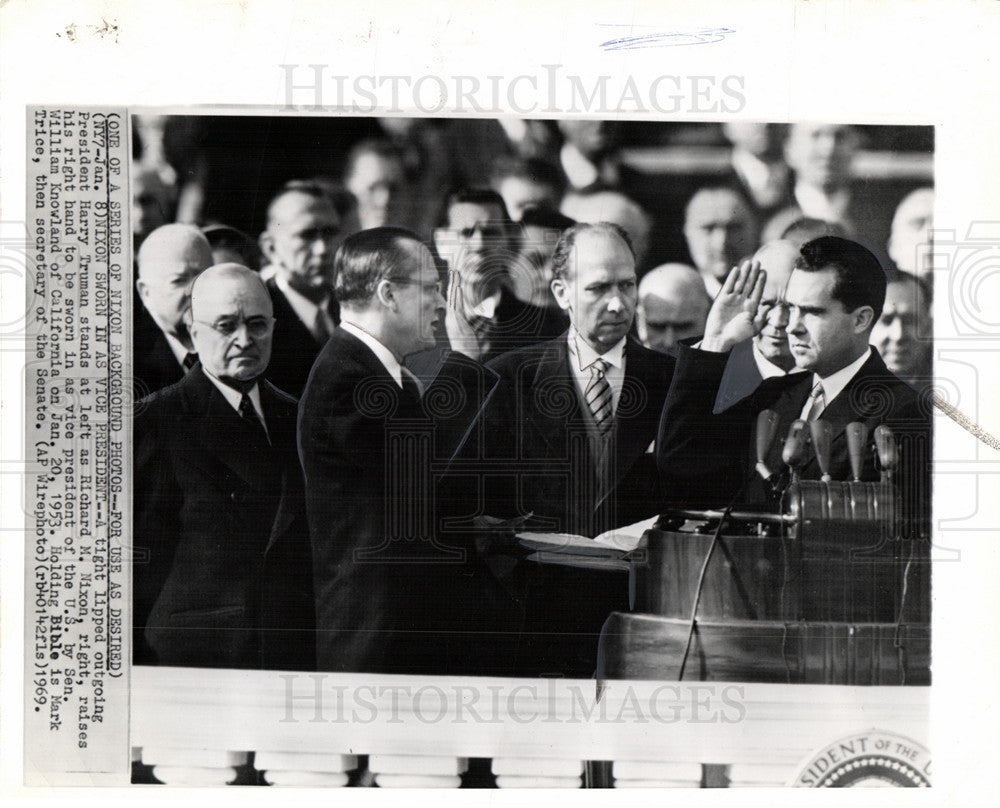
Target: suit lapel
[[224, 435], [630, 442], [281, 417], [554, 383]]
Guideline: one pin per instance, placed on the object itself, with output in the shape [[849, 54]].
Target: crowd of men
[[342, 423]]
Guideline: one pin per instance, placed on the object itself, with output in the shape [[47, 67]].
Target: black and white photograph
[[499, 400]]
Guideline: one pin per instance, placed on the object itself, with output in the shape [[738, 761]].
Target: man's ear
[[864, 319], [266, 243], [560, 291], [385, 294], [142, 289]]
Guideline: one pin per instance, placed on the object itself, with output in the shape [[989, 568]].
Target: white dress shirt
[[834, 384], [582, 356], [234, 396]]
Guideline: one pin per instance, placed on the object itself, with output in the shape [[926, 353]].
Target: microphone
[[794, 451], [857, 437], [888, 455], [822, 436], [767, 428]]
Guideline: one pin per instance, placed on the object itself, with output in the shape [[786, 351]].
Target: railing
[[198, 726]]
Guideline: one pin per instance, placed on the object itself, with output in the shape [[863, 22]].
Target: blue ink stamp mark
[[667, 39]]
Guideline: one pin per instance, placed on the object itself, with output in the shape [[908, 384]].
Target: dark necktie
[[598, 396], [190, 360], [249, 414], [411, 387]]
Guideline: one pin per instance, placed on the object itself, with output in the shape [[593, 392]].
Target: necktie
[[598, 396], [816, 404], [190, 360], [249, 414], [321, 331], [411, 386]]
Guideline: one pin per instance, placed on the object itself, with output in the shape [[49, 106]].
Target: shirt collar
[[586, 356], [820, 205], [487, 307], [304, 308], [383, 354], [178, 348], [232, 395], [767, 368], [834, 384]]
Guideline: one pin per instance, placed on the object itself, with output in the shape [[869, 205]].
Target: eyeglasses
[[430, 287], [256, 326]]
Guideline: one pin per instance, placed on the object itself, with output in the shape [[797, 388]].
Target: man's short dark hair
[[532, 169], [543, 217], [722, 187], [560, 258], [312, 188], [367, 258], [478, 196], [860, 279]]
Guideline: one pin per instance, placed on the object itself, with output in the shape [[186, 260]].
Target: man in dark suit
[[834, 297], [391, 596], [169, 259], [299, 244], [567, 438], [480, 247], [222, 566]]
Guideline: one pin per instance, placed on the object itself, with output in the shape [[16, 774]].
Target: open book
[[605, 551]]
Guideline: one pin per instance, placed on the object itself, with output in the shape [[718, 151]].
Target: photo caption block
[[78, 445]]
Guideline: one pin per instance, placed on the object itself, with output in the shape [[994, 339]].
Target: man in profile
[[298, 245], [222, 569], [720, 231], [835, 296], [169, 259], [390, 596], [672, 306]]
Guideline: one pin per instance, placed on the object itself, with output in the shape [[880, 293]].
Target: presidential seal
[[870, 759]]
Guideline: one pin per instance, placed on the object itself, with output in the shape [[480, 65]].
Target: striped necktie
[[816, 404], [598, 396]]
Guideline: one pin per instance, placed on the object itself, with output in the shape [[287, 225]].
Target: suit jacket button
[[235, 497]]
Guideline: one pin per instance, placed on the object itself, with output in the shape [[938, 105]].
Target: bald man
[[614, 207], [910, 243], [672, 306], [222, 570], [168, 260], [720, 230], [767, 354]]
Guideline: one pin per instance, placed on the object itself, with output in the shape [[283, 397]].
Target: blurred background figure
[[720, 229], [806, 229], [480, 244], [299, 243], [153, 202], [903, 334], [531, 277], [375, 175], [758, 164], [767, 354], [910, 241], [170, 258], [614, 207], [232, 246], [672, 306], [589, 156], [527, 183]]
